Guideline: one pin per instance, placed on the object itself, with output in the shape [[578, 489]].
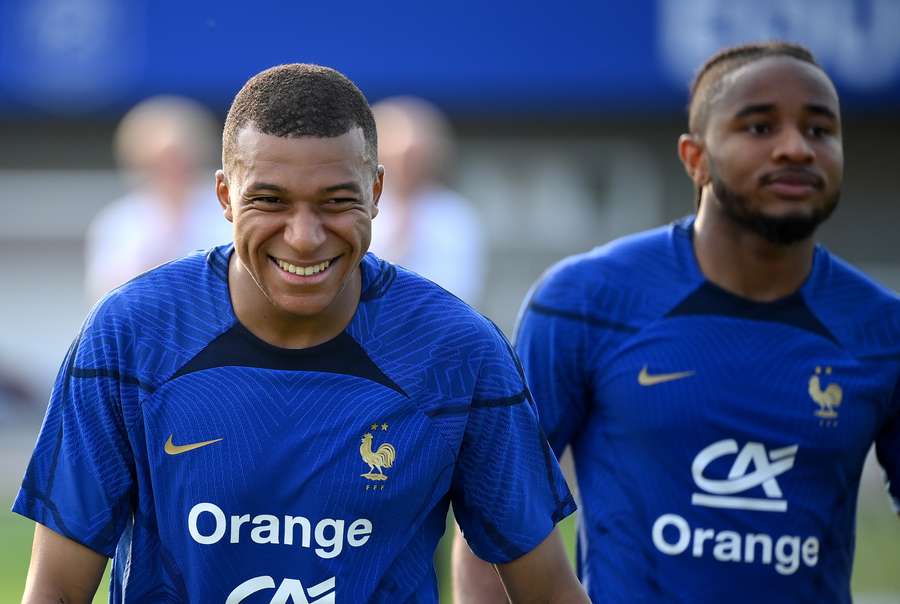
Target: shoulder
[[172, 281], [850, 282], [407, 303], [169, 306], [654, 265], [862, 312]]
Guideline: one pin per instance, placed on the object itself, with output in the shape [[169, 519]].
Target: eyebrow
[[821, 110], [752, 109], [770, 108], [265, 186], [344, 186]]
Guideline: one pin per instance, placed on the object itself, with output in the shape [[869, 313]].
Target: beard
[[780, 230]]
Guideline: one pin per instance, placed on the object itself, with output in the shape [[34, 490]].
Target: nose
[[304, 230], [793, 146]]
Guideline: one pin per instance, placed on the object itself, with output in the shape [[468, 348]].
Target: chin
[[303, 306], [779, 221]]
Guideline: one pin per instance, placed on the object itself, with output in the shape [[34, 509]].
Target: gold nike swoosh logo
[[173, 449], [645, 379]]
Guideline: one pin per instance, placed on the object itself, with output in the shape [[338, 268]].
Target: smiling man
[[287, 419], [721, 380]]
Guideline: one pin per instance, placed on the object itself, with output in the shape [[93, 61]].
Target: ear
[[692, 152], [222, 194], [377, 188]]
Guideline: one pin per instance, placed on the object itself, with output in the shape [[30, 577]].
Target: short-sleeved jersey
[[214, 467], [718, 442]]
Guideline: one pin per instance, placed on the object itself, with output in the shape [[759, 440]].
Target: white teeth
[[303, 270]]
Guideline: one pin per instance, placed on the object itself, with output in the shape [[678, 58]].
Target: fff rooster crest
[[828, 399], [379, 459]]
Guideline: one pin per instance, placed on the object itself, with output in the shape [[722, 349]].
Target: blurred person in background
[[721, 380], [422, 224], [17, 400], [321, 406], [166, 146]]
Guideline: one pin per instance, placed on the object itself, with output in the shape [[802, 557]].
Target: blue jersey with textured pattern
[[718, 442], [214, 467]]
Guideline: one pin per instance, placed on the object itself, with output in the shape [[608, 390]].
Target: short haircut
[[708, 83], [299, 99]]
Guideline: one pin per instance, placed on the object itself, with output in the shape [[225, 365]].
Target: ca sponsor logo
[[766, 466], [753, 466], [289, 591]]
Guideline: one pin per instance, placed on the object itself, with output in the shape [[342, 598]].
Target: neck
[[283, 329], [744, 263]]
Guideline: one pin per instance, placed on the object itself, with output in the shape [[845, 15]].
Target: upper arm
[[81, 476], [551, 344], [508, 491], [61, 570], [474, 580]]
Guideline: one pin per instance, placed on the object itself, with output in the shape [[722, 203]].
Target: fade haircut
[[299, 99], [709, 81]]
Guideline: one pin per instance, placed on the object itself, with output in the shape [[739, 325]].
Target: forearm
[[542, 576], [42, 591], [474, 580]]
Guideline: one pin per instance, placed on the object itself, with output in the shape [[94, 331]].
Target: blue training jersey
[[214, 467], [718, 442]]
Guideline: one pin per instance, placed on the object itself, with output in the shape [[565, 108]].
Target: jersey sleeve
[[508, 491], [550, 342], [80, 477], [887, 449]]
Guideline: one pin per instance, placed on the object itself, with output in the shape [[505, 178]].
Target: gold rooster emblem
[[382, 457], [827, 399]]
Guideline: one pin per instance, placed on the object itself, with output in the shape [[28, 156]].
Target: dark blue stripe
[[506, 401], [85, 372], [483, 403], [448, 410], [595, 321], [881, 356]]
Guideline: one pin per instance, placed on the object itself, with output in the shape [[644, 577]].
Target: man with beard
[[720, 380]]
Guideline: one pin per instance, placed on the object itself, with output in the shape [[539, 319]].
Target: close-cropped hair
[[708, 82], [299, 99]]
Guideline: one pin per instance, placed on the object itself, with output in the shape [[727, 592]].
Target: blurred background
[[549, 128]]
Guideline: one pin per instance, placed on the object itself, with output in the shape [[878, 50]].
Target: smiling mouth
[[303, 271]]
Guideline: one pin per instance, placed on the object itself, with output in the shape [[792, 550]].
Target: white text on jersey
[[329, 533]]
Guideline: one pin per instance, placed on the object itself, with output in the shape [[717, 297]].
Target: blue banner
[[92, 57]]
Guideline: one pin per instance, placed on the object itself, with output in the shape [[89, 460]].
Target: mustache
[[795, 175]]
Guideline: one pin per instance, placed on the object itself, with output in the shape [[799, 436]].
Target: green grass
[[876, 567]]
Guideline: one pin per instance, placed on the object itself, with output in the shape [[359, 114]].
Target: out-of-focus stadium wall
[[546, 189]]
